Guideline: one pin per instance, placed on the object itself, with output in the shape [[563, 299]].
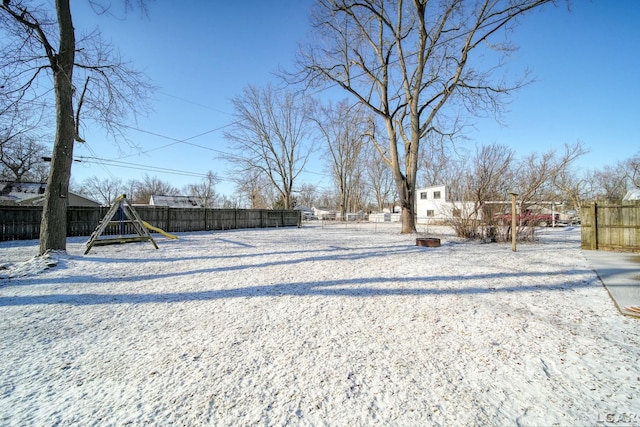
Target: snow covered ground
[[341, 325]]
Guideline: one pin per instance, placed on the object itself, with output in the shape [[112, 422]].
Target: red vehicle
[[529, 218]]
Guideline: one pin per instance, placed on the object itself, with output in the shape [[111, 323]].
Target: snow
[[322, 325]]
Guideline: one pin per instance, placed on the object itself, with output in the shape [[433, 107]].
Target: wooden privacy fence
[[23, 222], [611, 226]]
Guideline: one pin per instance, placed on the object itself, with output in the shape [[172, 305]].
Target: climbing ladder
[[126, 215]]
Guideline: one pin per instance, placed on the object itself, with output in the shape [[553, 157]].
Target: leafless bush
[[486, 226]]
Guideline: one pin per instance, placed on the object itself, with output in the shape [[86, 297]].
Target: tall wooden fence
[[611, 226], [23, 222]]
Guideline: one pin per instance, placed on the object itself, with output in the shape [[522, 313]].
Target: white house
[[433, 205], [177, 201], [325, 213], [633, 194], [306, 212]]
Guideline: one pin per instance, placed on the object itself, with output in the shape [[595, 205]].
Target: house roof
[[32, 194], [16, 192], [633, 194], [177, 201], [303, 208]]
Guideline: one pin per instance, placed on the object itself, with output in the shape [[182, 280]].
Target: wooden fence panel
[[223, 219], [291, 218], [23, 222], [613, 226], [174, 220], [81, 221], [158, 216], [20, 222], [248, 219]]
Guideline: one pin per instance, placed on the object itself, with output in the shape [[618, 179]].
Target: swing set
[[127, 215]]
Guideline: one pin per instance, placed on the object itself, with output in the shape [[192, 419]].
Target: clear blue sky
[[202, 53]]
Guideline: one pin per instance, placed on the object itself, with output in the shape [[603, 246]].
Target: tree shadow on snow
[[335, 254], [356, 287]]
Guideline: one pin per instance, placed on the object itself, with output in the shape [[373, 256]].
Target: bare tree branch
[[406, 61], [43, 52], [270, 134]]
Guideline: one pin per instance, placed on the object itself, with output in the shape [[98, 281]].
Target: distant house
[[433, 205], [380, 217], [325, 213], [306, 212], [177, 201], [633, 194], [32, 194], [387, 215]]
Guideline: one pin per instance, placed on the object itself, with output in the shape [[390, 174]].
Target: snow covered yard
[[342, 325]]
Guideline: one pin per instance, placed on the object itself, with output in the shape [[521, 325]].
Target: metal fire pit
[[429, 242]]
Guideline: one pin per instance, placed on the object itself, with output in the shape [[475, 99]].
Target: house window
[[423, 195], [430, 212], [436, 194]]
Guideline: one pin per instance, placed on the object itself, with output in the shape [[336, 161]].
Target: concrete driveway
[[620, 274]]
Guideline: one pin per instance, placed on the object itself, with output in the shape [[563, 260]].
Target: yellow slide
[[156, 229]]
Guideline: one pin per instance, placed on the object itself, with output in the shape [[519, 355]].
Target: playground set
[[126, 214]]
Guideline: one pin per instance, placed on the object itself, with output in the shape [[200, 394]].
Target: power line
[[193, 103], [186, 141], [104, 167], [137, 166], [183, 141]]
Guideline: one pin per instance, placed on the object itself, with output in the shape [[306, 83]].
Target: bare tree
[[611, 182], [608, 182], [494, 172], [440, 163], [491, 174], [408, 62], [537, 173], [327, 199], [308, 194], [344, 128], [88, 78], [487, 178], [227, 202], [568, 184], [270, 135], [572, 188], [205, 190], [379, 179], [632, 166], [252, 186], [148, 186], [18, 121], [103, 190], [21, 159]]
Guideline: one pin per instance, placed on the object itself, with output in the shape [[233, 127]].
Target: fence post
[[168, 218], [594, 227], [514, 231]]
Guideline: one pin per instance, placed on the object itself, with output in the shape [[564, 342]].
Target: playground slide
[[158, 230]]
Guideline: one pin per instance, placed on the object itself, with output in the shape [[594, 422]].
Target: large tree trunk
[[53, 227], [405, 184], [407, 204]]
